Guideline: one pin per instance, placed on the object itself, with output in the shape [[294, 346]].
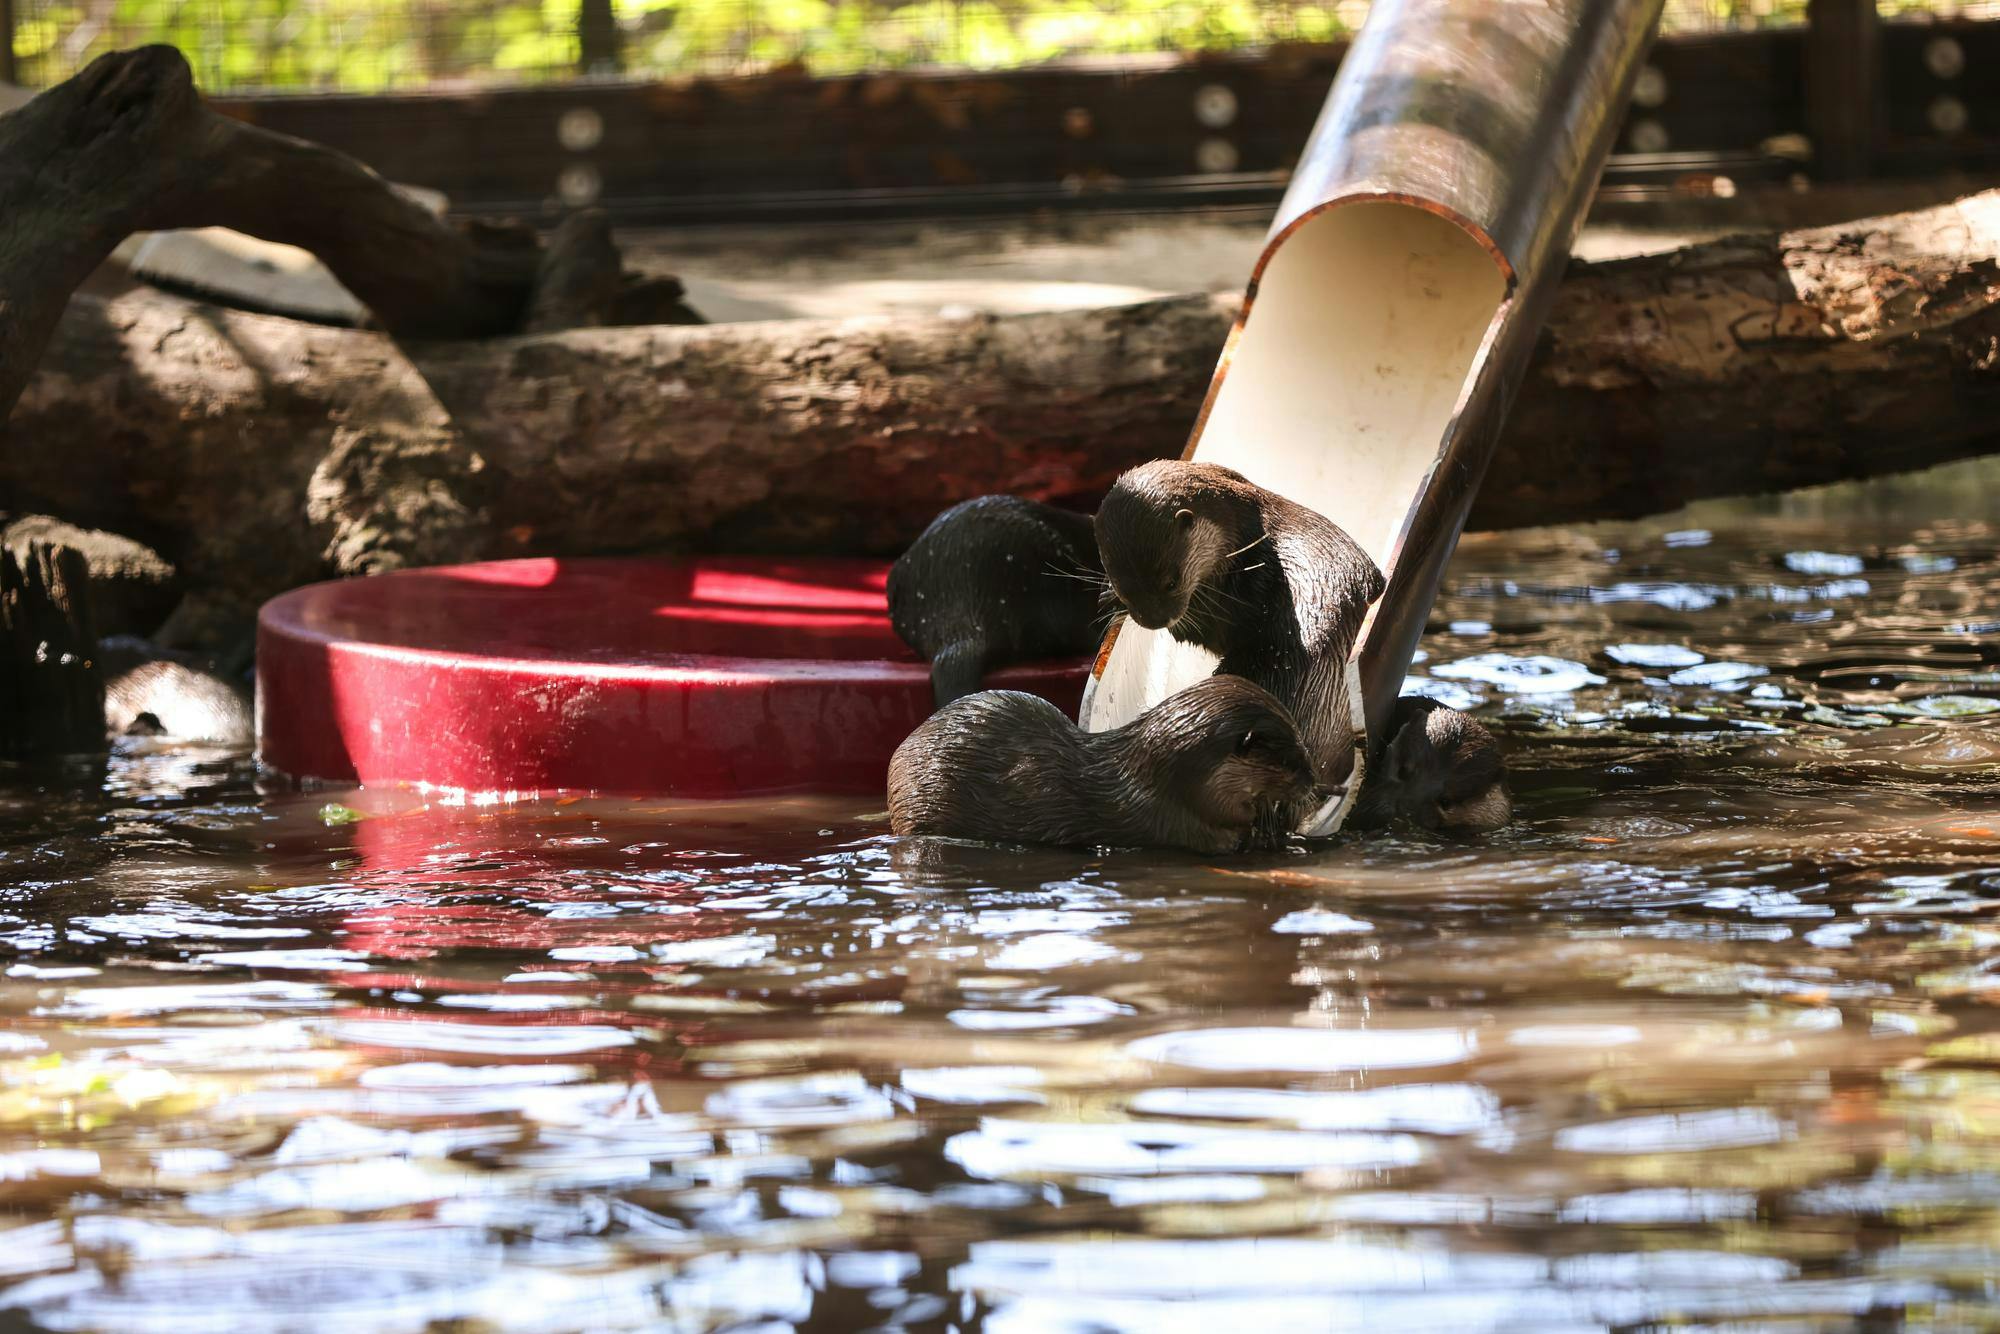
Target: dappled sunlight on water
[[1707, 1037]]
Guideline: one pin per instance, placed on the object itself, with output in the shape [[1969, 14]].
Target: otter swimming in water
[[1440, 770], [148, 695], [1275, 590], [1205, 770], [992, 581]]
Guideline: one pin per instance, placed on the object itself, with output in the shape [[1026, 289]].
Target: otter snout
[[1158, 592], [1151, 612]]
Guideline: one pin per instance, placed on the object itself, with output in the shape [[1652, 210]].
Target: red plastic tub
[[696, 677]]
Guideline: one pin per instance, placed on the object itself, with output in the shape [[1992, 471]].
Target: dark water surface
[[1707, 1039]]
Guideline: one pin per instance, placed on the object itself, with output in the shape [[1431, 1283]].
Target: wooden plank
[[1843, 86], [250, 274], [9, 70], [1937, 82], [1137, 130]]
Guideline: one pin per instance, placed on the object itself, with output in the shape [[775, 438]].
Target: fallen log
[[132, 589], [256, 452], [1758, 364], [127, 145]]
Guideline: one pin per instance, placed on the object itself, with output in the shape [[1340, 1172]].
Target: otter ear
[[1185, 518]]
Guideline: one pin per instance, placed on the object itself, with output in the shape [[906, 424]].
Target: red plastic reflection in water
[[695, 677], [435, 884]]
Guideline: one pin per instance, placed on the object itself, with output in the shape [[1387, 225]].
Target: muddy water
[[1706, 1038]]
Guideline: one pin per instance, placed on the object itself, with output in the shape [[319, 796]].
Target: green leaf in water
[[334, 813], [1819, 713]]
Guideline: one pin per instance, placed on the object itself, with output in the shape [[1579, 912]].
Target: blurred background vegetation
[[374, 45]]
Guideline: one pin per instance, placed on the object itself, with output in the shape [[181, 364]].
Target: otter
[[996, 580], [1278, 592], [1273, 589], [1440, 770], [1205, 770], [151, 693]]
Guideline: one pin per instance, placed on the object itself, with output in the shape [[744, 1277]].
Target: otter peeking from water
[[1440, 770], [1205, 770], [993, 581], [151, 693], [1278, 592]]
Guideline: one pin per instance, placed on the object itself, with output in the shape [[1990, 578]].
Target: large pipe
[[1390, 316]]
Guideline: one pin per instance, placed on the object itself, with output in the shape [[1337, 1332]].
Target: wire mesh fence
[[375, 45]]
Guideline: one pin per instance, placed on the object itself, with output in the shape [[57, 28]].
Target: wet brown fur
[[1204, 770], [1277, 591], [993, 581], [1441, 769], [172, 699]]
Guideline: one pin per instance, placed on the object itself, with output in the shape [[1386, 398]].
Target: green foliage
[[370, 45]]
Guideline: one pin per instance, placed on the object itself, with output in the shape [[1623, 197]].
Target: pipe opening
[[1337, 394]]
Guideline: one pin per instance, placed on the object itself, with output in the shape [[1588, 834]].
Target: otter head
[[1230, 752], [1167, 528], [1442, 770]]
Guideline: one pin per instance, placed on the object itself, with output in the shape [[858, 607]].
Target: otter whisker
[[1218, 591], [1246, 546], [1068, 560], [1213, 596]]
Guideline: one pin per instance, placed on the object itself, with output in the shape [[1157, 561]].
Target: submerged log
[[51, 691], [1740, 366]]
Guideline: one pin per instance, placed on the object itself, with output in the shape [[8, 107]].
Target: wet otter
[[150, 693], [1440, 770], [1204, 769], [1275, 590], [996, 580], [1278, 592]]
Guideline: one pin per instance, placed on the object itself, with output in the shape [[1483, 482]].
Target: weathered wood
[[580, 277], [1060, 135], [132, 589], [258, 453], [1759, 364], [51, 691], [127, 146], [1843, 86]]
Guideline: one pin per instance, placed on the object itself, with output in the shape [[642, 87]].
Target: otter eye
[[1185, 518], [1247, 743], [1171, 582]]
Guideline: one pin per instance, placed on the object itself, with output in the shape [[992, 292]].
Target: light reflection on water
[[1706, 1037]]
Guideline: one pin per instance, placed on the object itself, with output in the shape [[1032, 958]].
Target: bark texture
[[256, 452], [51, 691], [127, 145], [1758, 363]]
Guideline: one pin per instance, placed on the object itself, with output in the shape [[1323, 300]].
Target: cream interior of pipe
[[1356, 352]]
